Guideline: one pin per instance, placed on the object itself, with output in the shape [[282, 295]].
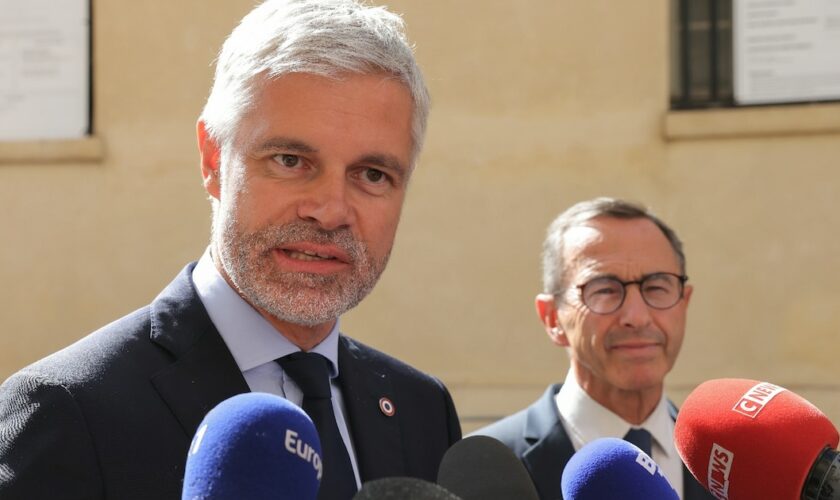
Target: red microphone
[[745, 439]]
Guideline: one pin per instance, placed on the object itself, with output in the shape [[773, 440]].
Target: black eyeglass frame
[[681, 279]]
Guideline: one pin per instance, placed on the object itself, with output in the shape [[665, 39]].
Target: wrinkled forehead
[[623, 247]]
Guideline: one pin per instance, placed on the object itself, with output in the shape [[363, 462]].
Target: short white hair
[[321, 37]]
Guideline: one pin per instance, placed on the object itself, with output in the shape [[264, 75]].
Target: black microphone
[[613, 469], [482, 468], [403, 488], [254, 446]]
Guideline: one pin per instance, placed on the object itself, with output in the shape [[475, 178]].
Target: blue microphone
[[254, 446], [613, 469]]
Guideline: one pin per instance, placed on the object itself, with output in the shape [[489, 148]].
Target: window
[[701, 54], [748, 52]]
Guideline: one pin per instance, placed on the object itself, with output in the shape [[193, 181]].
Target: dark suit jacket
[[112, 415], [536, 435]]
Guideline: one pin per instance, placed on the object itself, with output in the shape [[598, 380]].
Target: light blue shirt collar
[[251, 339]]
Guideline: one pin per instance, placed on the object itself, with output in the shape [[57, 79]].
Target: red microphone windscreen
[[745, 439]]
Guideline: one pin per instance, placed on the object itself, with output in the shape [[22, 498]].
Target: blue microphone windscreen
[[403, 488], [611, 468], [254, 446]]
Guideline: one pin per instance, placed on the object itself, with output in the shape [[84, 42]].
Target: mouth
[[306, 255], [312, 258], [636, 345], [637, 349], [315, 252]]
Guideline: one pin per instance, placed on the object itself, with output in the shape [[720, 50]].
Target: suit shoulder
[[91, 358], [522, 429], [44, 434], [509, 430]]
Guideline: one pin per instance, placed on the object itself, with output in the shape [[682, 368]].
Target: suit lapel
[[377, 438], [551, 447], [204, 372]]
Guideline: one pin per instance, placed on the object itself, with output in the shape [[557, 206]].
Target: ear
[[547, 312], [210, 153], [687, 291]]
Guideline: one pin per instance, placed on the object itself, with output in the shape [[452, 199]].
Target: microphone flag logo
[[298, 447], [720, 465], [756, 398]]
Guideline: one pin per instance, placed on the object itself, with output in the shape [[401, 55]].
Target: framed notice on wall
[[786, 50], [44, 69]]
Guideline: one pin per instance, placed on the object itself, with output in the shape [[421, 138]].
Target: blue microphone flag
[[613, 469], [254, 446]]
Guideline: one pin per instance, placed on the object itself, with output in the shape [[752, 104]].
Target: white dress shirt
[[255, 345], [586, 420]]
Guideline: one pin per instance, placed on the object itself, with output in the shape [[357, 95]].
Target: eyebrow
[[599, 276], [642, 277], [286, 144]]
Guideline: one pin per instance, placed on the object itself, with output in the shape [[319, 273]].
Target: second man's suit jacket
[[537, 436], [112, 416]]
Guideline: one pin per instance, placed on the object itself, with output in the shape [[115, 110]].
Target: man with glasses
[[615, 297]]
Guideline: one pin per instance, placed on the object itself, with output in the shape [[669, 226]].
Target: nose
[[326, 203], [634, 313]]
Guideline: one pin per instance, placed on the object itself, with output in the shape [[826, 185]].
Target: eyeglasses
[[659, 291]]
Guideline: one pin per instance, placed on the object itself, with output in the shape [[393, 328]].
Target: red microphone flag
[[745, 439]]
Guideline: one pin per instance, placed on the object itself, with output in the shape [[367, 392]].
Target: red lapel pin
[[387, 407]]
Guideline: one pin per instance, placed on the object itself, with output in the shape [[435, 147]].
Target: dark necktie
[[310, 372], [640, 438]]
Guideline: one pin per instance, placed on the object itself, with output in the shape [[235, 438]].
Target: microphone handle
[[823, 481]]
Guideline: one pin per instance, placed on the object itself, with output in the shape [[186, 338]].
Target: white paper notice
[[44, 69], [786, 50]]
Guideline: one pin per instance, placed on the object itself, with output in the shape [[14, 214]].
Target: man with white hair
[[307, 142]]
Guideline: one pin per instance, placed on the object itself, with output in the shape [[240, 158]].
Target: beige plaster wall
[[537, 105]]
